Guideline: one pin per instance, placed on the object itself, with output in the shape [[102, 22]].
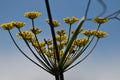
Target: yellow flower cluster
[[32, 15], [61, 38], [35, 30], [49, 42], [12, 24], [61, 35], [100, 20], [99, 34], [18, 24], [70, 21], [78, 43], [87, 33], [38, 44], [61, 32], [55, 22], [25, 35], [7, 26], [81, 42]]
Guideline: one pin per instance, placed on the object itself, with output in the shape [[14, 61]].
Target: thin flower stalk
[[88, 6], [42, 56], [26, 42], [25, 54], [66, 68]]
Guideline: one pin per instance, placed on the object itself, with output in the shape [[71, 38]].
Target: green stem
[[117, 12], [57, 77], [102, 3], [88, 5], [61, 75], [69, 32]]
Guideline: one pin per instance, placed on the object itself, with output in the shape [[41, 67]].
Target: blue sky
[[102, 64]]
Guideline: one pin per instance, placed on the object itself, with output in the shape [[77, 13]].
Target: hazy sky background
[[102, 64]]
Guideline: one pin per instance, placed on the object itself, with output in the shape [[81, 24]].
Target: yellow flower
[[70, 21], [32, 15], [48, 42], [42, 50], [38, 45], [55, 22], [61, 32], [99, 34], [25, 35], [58, 38], [64, 42], [94, 32], [81, 42], [42, 44], [50, 54], [35, 44], [74, 19], [61, 38], [88, 33], [51, 47], [35, 30], [68, 57], [18, 24], [61, 53], [100, 20], [7, 26]]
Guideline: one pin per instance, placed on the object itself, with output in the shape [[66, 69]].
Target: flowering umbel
[[70, 21], [32, 15], [35, 30], [25, 35], [100, 20], [7, 26], [60, 53], [55, 22], [68, 49], [12, 24]]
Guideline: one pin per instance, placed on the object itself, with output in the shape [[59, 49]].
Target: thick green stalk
[[69, 32], [52, 29], [57, 77], [71, 41], [61, 75]]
